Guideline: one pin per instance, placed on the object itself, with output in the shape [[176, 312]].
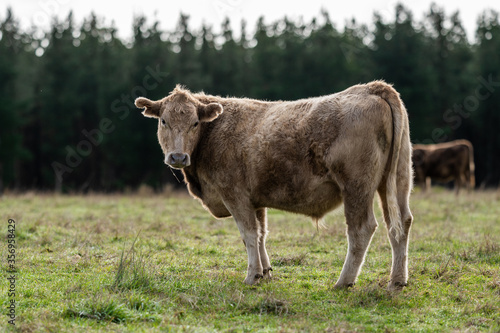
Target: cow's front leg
[[249, 227], [428, 184], [264, 258]]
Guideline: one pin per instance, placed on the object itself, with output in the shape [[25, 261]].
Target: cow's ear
[[151, 108], [208, 112]]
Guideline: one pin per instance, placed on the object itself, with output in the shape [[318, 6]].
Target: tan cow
[[444, 162], [240, 156]]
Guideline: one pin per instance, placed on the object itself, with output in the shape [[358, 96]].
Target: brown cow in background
[[444, 162]]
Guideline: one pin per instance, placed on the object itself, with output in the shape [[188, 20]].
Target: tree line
[[68, 123]]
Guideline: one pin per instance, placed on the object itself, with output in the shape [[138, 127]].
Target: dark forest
[[68, 123]]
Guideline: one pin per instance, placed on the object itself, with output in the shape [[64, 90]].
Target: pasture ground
[[162, 263]]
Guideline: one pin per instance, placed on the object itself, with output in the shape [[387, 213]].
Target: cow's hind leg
[[459, 181], [264, 258], [361, 225], [467, 181], [399, 270]]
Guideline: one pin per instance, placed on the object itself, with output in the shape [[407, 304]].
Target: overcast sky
[[212, 12]]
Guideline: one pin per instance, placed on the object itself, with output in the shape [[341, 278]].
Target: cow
[[240, 156], [444, 162]]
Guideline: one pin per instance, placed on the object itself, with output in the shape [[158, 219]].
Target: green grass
[[158, 263]]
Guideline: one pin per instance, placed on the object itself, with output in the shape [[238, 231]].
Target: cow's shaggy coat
[[240, 156]]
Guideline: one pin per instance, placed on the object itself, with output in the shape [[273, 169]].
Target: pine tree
[[10, 108], [483, 105], [400, 56]]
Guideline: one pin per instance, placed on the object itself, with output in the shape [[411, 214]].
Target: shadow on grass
[[290, 261]]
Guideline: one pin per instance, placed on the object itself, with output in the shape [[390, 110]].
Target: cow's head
[[180, 117]]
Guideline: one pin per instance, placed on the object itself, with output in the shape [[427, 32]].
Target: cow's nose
[[178, 160]]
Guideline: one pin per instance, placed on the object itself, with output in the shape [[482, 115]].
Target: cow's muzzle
[[178, 160]]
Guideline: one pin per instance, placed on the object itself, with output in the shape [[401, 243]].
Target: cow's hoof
[[267, 272], [343, 285], [251, 280], [396, 285]]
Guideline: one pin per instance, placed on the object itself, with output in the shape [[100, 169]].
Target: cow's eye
[[196, 124], [163, 122]]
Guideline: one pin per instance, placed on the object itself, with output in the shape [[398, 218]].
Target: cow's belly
[[443, 174], [294, 190], [314, 201]]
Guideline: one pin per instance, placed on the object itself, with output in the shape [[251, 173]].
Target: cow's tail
[[400, 153]]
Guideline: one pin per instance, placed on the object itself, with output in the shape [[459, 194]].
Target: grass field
[[160, 263]]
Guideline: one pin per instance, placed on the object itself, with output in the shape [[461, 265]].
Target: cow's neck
[[192, 181]]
